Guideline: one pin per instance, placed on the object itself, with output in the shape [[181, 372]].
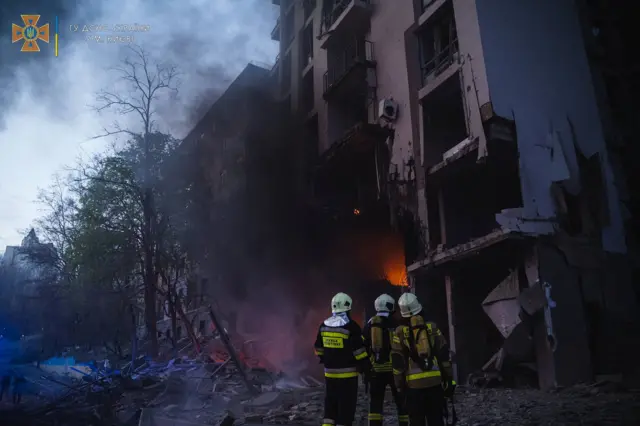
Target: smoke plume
[[44, 119]]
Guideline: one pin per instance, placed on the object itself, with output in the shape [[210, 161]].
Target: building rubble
[[202, 389], [203, 384]]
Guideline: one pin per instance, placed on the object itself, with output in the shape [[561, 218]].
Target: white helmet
[[341, 302], [384, 303], [409, 305]]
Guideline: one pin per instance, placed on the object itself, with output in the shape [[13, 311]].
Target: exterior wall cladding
[[525, 63]]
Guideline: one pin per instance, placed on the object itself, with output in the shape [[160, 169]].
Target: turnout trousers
[[377, 388], [340, 401], [425, 406]]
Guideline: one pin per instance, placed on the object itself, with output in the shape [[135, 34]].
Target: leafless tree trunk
[[145, 82]]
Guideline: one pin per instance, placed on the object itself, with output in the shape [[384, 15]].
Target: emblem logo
[[30, 33]]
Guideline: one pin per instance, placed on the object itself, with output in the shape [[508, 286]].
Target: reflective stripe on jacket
[[340, 348]]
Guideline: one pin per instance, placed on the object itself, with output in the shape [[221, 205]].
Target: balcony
[[344, 17], [275, 32], [348, 68], [440, 61]]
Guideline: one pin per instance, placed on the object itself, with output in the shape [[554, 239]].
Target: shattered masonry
[[498, 172]]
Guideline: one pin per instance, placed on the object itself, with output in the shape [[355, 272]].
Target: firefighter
[[340, 348], [421, 365], [377, 335]]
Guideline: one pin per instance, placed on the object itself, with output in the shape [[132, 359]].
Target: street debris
[[211, 382], [190, 392]]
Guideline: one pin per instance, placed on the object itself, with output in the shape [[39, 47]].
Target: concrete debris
[[186, 392], [502, 306], [584, 405]]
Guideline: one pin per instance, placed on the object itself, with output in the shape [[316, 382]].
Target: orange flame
[[381, 255]]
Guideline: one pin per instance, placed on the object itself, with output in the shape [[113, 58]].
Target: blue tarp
[[69, 360]]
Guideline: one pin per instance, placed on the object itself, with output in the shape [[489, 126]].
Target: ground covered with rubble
[[197, 391], [580, 405]]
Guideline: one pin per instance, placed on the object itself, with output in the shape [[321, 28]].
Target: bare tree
[[142, 82], [56, 227]]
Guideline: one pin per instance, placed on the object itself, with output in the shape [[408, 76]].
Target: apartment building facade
[[481, 121]]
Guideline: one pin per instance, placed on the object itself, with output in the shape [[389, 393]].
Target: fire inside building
[[421, 144]]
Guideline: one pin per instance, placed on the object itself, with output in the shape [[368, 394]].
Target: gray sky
[[45, 122]]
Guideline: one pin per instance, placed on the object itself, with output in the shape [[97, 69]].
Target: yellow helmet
[[409, 305], [384, 303], [341, 302]]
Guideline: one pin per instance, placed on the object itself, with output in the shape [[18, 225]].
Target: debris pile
[[192, 392], [221, 386], [598, 404]]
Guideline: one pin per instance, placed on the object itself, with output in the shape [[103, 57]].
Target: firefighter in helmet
[[340, 348], [377, 335], [421, 365]]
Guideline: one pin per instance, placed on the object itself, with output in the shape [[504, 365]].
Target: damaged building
[[491, 155], [240, 195]]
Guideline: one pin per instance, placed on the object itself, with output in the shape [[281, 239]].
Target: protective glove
[[449, 387]]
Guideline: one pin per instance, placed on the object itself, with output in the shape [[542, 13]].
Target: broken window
[[467, 197], [438, 43], [178, 332], [444, 120], [201, 326]]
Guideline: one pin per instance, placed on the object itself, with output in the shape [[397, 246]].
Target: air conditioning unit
[[388, 109]]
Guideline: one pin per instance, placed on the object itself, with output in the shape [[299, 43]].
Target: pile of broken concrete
[[193, 391]]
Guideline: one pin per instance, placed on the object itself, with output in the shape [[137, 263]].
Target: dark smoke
[[210, 42], [272, 261], [45, 99], [12, 60]]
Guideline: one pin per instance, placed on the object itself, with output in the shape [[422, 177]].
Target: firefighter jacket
[[420, 355], [340, 348], [377, 336]]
